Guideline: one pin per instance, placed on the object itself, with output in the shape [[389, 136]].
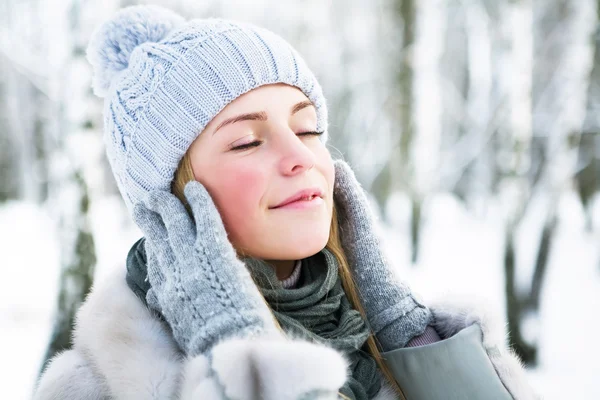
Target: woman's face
[[257, 152]]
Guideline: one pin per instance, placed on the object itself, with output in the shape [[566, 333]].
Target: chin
[[307, 249], [294, 246]]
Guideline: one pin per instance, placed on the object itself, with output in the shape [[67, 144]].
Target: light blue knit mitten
[[203, 290], [393, 313]]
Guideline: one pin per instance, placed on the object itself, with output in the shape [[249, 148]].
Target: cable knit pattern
[[198, 284], [393, 312], [164, 80]]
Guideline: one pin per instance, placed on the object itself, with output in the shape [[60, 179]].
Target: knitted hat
[[164, 79]]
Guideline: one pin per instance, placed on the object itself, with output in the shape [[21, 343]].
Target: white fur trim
[[278, 369], [69, 377], [198, 382], [131, 347], [122, 351], [136, 358], [386, 393], [454, 312]]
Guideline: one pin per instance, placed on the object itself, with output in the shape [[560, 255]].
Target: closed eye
[[246, 146], [312, 133], [257, 143]]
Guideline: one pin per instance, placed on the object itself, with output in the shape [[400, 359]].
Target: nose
[[296, 157]]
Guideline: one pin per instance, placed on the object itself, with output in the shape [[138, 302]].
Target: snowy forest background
[[474, 124]]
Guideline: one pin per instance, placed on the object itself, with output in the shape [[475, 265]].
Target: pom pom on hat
[[113, 41]]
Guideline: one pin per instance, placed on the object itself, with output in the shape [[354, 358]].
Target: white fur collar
[[122, 351]]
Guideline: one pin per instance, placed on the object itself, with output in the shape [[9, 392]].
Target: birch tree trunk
[[69, 197], [399, 172], [547, 108], [9, 172], [588, 164]]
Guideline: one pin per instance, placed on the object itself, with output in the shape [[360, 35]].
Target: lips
[[305, 194]]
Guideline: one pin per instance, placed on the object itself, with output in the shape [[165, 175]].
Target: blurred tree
[[9, 176], [402, 163], [69, 198], [513, 159], [399, 170], [547, 109], [24, 106], [588, 166]]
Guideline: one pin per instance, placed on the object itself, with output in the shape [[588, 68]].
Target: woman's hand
[[203, 290], [393, 313]]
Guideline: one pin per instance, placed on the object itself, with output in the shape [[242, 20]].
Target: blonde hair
[[185, 174]]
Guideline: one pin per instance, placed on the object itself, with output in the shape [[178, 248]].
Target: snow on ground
[[29, 264], [459, 253], [29, 260]]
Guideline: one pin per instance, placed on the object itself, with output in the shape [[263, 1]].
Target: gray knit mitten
[[203, 290], [393, 313]]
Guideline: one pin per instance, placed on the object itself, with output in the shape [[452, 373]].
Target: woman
[[260, 275]]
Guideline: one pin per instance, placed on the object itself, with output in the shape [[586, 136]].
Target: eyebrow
[[261, 115]]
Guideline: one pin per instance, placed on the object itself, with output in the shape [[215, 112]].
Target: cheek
[[237, 192], [326, 167]]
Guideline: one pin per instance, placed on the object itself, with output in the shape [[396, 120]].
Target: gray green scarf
[[317, 310]]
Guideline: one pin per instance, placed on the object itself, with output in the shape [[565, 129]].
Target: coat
[[122, 350]]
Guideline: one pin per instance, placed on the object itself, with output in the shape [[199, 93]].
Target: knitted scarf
[[316, 310]]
